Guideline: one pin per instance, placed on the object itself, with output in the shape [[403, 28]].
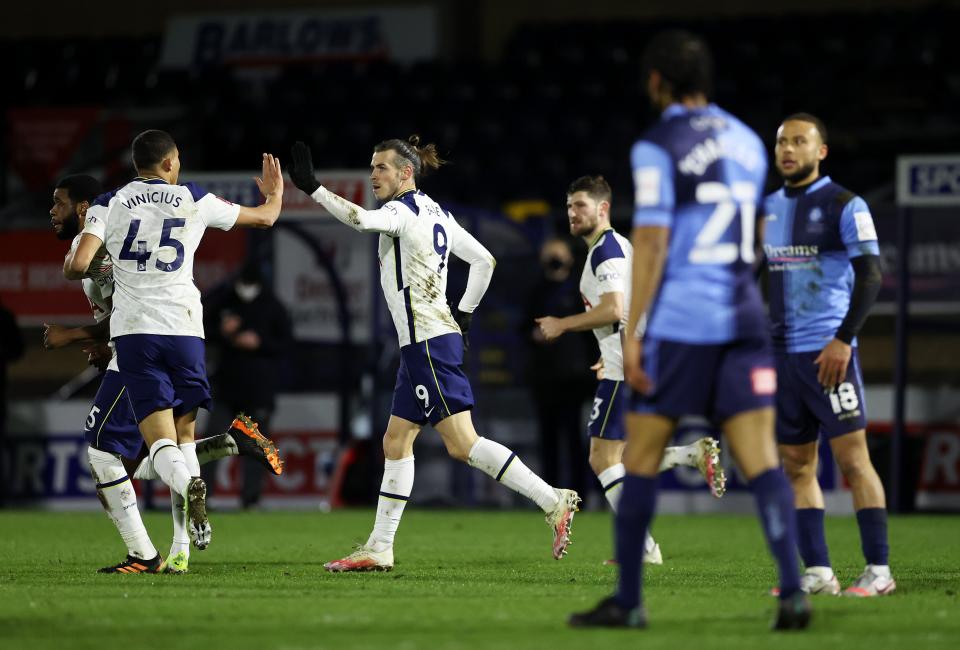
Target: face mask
[[247, 292], [555, 263]]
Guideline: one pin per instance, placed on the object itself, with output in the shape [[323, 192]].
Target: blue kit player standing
[[417, 236], [824, 275], [605, 289], [151, 229], [705, 350]]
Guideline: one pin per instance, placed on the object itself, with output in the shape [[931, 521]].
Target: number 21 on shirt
[[739, 197]]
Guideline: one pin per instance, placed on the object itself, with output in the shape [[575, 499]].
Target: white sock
[[120, 501], [215, 448], [395, 489], [170, 465], [181, 535], [189, 450], [677, 456], [497, 461], [207, 450], [882, 570], [611, 479], [649, 544], [823, 572], [145, 470]]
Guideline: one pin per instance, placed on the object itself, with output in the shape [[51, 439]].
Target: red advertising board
[[33, 287]]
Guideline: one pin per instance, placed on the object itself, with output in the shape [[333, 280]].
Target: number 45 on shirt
[[141, 254]]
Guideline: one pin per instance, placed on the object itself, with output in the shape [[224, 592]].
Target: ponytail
[[423, 159]]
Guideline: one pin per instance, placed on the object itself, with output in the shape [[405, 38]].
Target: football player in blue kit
[[697, 340], [416, 238], [823, 261]]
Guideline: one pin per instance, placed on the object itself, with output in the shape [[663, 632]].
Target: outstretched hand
[[270, 180], [301, 172]]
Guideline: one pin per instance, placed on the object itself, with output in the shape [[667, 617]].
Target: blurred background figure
[[558, 371], [250, 330]]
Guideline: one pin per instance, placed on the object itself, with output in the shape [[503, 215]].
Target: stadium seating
[[564, 98]]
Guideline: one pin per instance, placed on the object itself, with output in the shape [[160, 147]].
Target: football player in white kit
[[116, 452], [417, 237], [151, 228], [605, 288]]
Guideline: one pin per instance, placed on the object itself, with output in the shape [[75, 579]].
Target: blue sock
[[873, 535], [810, 537], [774, 499], [634, 514]]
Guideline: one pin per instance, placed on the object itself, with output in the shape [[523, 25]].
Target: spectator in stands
[[559, 372], [251, 329]]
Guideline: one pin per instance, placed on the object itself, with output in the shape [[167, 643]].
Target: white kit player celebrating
[[116, 451], [605, 288], [417, 237], [151, 229]]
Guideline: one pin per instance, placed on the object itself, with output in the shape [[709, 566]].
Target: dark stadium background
[[522, 97]]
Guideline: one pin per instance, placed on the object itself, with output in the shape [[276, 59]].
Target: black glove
[[301, 173], [463, 320]]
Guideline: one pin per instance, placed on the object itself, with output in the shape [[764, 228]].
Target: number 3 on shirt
[[141, 254], [740, 197]]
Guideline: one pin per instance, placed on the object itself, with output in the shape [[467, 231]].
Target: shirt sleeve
[[466, 247], [217, 212], [96, 221], [654, 198], [857, 230], [612, 275], [391, 219]]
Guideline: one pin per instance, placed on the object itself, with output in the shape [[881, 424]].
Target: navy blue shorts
[[111, 425], [712, 381], [430, 384], [163, 372], [805, 408], [609, 408]]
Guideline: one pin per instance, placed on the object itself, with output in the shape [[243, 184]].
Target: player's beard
[[799, 174], [69, 228]]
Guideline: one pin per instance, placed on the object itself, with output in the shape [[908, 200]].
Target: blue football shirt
[[811, 234], [700, 172]]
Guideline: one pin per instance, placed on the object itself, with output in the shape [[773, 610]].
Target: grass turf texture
[[462, 580]]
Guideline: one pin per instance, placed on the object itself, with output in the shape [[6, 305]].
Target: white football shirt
[[607, 270], [98, 288], [417, 237], [151, 230]]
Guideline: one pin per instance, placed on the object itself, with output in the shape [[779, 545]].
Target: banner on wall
[[45, 456], [404, 34], [33, 286]]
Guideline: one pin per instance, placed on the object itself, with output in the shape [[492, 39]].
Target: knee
[[799, 470], [459, 449], [600, 461], [393, 447], [854, 468]]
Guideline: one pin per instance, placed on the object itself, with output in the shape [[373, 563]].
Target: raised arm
[[386, 220], [271, 186]]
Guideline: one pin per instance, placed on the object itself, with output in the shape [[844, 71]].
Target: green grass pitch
[[462, 580]]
